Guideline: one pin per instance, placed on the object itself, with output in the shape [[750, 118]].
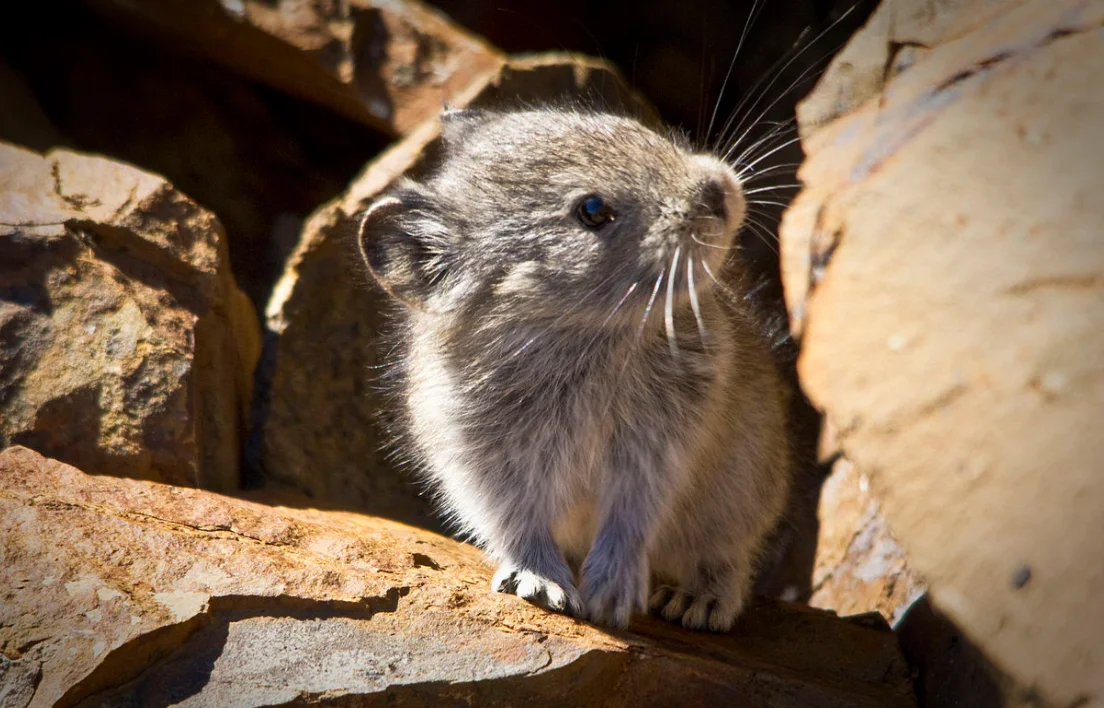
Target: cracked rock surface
[[945, 268], [125, 592], [125, 345]]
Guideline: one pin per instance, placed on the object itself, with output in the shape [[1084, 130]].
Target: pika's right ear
[[404, 248]]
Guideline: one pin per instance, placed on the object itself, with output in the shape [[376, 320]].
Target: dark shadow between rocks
[[949, 670]]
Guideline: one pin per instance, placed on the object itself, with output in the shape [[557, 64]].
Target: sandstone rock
[[122, 592], [389, 64], [944, 267], [859, 566], [125, 346], [260, 159], [318, 406]]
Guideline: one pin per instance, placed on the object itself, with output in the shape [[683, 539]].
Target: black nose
[[712, 200]]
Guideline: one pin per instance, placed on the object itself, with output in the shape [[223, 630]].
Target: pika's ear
[[404, 246], [458, 123]]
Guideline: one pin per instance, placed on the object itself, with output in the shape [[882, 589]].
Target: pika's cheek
[[521, 278]]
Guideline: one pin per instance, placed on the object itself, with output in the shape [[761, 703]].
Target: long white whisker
[[669, 305], [758, 190], [766, 142], [767, 170], [759, 159], [621, 302], [695, 239], [780, 71], [694, 301], [755, 9], [766, 202], [651, 301]]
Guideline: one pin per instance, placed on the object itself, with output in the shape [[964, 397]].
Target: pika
[[589, 402]]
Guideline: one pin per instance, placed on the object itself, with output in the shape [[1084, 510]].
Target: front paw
[[613, 591], [537, 589]]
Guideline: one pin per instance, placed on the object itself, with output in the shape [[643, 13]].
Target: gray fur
[[605, 448]]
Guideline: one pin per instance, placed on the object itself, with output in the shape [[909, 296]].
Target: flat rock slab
[[125, 592]]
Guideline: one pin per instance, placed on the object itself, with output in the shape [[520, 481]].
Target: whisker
[[698, 241], [651, 301], [766, 202], [621, 302], [763, 233], [758, 190], [766, 142], [756, 8], [759, 159], [759, 174], [694, 301], [669, 306], [799, 79]]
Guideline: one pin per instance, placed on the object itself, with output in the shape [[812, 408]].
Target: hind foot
[[701, 612]]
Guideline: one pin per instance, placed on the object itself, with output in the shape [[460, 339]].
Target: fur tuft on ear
[[457, 123], [404, 246]]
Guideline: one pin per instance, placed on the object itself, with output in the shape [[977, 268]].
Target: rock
[[261, 160], [317, 411], [944, 267], [125, 346], [859, 566], [389, 64], [122, 592]]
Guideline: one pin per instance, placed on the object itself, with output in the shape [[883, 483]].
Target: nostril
[[713, 200]]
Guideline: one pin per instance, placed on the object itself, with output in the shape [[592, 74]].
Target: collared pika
[[593, 408]]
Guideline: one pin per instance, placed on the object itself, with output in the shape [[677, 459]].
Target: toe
[[505, 579], [660, 598], [697, 614], [676, 606]]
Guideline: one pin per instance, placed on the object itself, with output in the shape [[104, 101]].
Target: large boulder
[[125, 346], [943, 267], [318, 404], [122, 592]]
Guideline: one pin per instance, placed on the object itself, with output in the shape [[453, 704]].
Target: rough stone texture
[[389, 64], [317, 411], [258, 158], [125, 346], [859, 566], [123, 592], [945, 268]]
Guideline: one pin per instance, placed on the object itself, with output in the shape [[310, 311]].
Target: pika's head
[[556, 213]]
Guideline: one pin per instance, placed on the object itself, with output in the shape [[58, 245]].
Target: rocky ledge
[[128, 592]]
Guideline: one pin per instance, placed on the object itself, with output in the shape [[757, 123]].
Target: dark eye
[[594, 212]]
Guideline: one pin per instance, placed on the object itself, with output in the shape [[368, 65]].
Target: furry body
[[604, 453]]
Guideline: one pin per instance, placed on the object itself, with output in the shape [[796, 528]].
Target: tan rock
[[389, 64], [122, 592], [859, 565], [319, 403], [125, 346], [944, 266]]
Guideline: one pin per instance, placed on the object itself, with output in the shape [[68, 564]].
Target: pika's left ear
[[403, 245]]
